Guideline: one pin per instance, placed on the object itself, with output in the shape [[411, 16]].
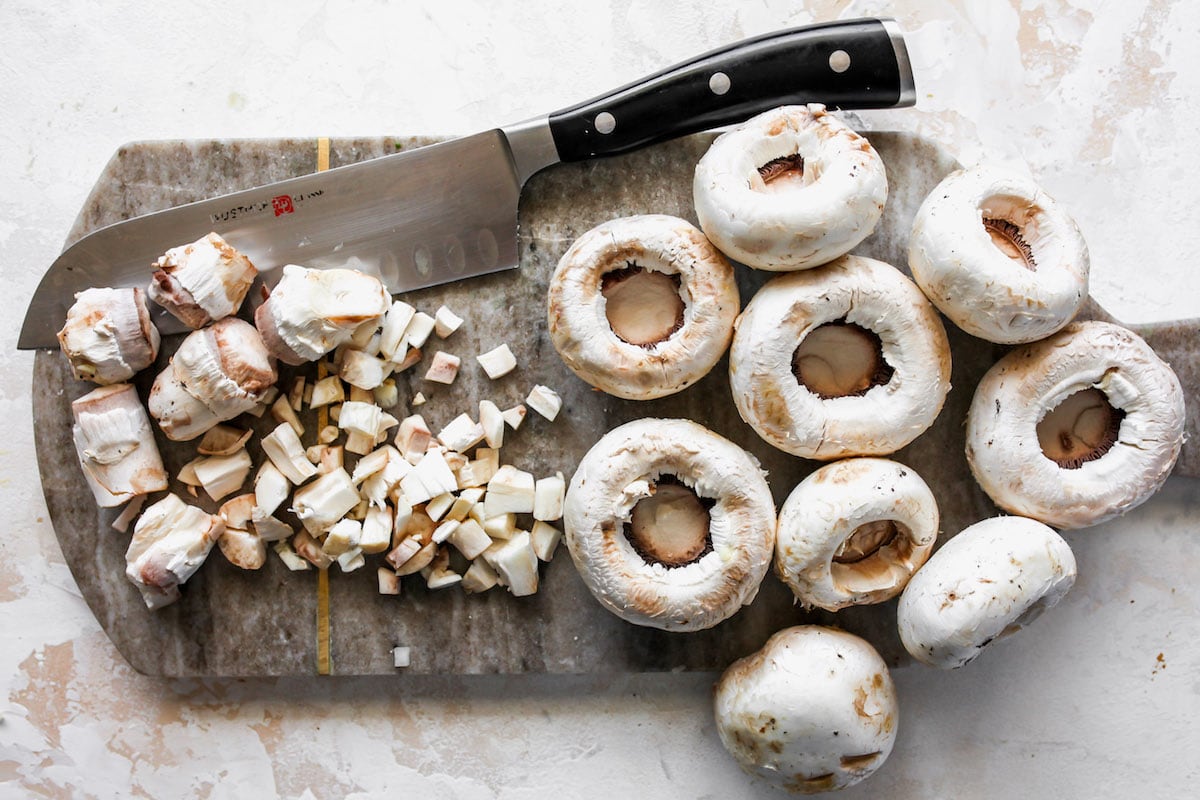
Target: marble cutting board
[[236, 623]]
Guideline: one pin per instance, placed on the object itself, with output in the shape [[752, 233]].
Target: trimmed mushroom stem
[[840, 359], [866, 540], [1080, 429], [671, 527], [643, 306]]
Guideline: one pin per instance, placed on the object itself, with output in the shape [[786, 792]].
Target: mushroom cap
[[226, 366], [577, 309], [617, 472], [815, 709], [180, 414], [983, 291], [108, 335], [170, 541], [1021, 388], [870, 294], [115, 445], [829, 506], [312, 311], [989, 581], [801, 224], [203, 281]]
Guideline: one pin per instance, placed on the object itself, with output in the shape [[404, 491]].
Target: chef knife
[[448, 211]]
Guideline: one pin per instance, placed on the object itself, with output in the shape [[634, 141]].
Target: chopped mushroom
[[283, 447], [544, 401], [108, 335], [222, 475], [202, 282], [170, 541], [988, 582], [1078, 428], [418, 330], [444, 368], [642, 307], [115, 445], [814, 710], [446, 322], [322, 503], [497, 362], [789, 189], [240, 545]]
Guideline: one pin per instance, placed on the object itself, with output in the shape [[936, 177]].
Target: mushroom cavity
[[998, 256], [849, 359], [854, 532], [814, 710], [108, 335], [642, 307], [201, 282], [670, 525], [789, 189], [989, 581], [1077, 428]]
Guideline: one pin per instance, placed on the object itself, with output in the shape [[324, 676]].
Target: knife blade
[[448, 211]]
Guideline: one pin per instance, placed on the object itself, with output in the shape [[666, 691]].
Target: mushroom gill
[[1081, 428], [643, 306], [671, 526], [780, 174], [840, 359]]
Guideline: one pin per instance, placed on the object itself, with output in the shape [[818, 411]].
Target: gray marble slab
[[234, 623]]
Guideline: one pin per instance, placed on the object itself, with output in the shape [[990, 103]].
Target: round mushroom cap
[[999, 256], [815, 709], [635, 507], [908, 374], [642, 307], [989, 581], [854, 532], [108, 335], [789, 189], [226, 366], [1078, 428]]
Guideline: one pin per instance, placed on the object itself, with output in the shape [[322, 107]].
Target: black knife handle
[[799, 65]]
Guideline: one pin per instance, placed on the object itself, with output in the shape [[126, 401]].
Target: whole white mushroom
[[789, 189], [989, 581], [814, 710]]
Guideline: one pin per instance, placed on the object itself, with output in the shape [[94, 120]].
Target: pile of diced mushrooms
[[409, 493], [840, 359], [845, 359]]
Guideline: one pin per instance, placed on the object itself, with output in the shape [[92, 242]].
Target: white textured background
[[1100, 100]]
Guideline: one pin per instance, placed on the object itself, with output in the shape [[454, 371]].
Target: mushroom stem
[[840, 359], [643, 306], [866, 540], [1080, 429], [671, 526], [1008, 238]]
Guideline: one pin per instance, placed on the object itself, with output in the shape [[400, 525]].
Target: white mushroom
[[849, 359], [224, 368], [1078, 428], [115, 445], [670, 525], [814, 710], [789, 189], [987, 582], [998, 256], [170, 541], [108, 335], [854, 532], [642, 307], [312, 311], [201, 282]]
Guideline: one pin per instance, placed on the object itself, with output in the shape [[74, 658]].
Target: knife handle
[[851, 64]]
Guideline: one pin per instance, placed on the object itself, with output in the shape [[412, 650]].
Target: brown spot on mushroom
[[1080, 429], [860, 762], [643, 306], [840, 359], [809, 785], [670, 527]]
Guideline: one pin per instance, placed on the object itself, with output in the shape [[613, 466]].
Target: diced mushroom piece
[[548, 496], [221, 475], [295, 395], [361, 370], [351, 560], [386, 394], [328, 434], [128, 513], [463, 503], [516, 564], [445, 322], [327, 457], [479, 577], [344, 535], [283, 447], [376, 534], [201, 282], [444, 368], [223, 440], [289, 557], [108, 336], [419, 561], [271, 488], [401, 657], [501, 526], [497, 362], [418, 399], [386, 423], [418, 330], [391, 336], [361, 418], [320, 504], [545, 538], [491, 420], [444, 530], [403, 551], [312, 311], [514, 416], [187, 474], [429, 478], [170, 542], [270, 529], [440, 579], [438, 506], [359, 443], [362, 334], [454, 460], [469, 539], [389, 581], [243, 549], [115, 445], [310, 550], [326, 391], [544, 401], [509, 490], [381, 484], [282, 411], [481, 470], [411, 359], [461, 433]]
